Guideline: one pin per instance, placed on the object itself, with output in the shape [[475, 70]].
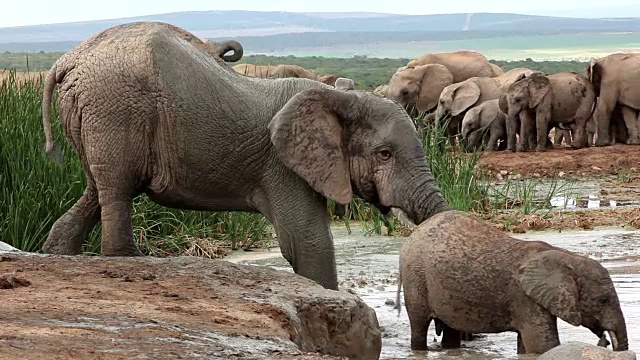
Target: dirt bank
[[592, 161], [175, 308]]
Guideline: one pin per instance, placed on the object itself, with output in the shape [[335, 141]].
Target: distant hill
[[264, 32]]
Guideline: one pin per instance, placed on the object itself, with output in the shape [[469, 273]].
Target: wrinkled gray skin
[[574, 350], [560, 135], [483, 126], [220, 48], [475, 278], [542, 101], [616, 80], [149, 110]]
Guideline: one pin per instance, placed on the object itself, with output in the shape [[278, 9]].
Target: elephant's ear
[[307, 134], [548, 279], [435, 78], [488, 113], [465, 95], [594, 74], [539, 86], [503, 105]]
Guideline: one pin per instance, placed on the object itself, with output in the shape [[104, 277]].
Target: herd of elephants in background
[[490, 109], [152, 109]]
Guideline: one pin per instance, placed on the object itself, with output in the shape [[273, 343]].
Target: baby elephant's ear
[[549, 279], [307, 134]]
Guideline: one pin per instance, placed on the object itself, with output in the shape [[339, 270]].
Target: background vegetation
[[35, 191], [367, 72]]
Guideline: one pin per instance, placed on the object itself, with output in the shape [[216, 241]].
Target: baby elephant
[[477, 279], [545, 100], [574, 350], [483, 122]]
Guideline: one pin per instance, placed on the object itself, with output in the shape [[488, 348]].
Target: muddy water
[[368, 266]]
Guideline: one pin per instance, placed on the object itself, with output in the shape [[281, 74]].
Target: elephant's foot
[[59, 242], [602, 142], [117, 233], [541, 148], [633, 141], [522, 149], [70, 231], [134, 251]]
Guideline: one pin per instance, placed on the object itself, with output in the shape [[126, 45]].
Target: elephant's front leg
[[537, 335], [527, 128], [512, 125], [602, 116], [631, 118], [302, 225], [542, 125]]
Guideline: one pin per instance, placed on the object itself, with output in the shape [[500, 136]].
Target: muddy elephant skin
[[475, 278], [543, 101], [141, 121], [616, 80], [483, 126]]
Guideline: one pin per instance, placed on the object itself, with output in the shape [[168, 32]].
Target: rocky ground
[[175, 308]]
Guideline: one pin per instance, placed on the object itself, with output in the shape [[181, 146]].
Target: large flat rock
[[79, 307]]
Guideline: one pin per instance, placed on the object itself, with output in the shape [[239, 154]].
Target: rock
[[4, 247], [89, 307], [579, 350]]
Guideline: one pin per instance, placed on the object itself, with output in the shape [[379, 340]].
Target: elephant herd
[[151, 109], [517, 109]]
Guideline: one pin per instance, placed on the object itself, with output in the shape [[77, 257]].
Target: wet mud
[[367, 266]]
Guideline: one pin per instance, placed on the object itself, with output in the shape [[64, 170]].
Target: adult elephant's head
[[419, 86], [576, 289], [525, 93], [346, 143], [457, 98]]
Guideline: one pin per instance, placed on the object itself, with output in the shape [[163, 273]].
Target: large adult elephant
[[148, 110], [616, 80], [419, 84], [475, 278], [565, 98], [457, 98]]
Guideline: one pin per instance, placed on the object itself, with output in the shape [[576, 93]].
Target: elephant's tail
[[398, 304], [50, 83]]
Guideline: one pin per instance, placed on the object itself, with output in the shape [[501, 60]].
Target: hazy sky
[[31, 12]]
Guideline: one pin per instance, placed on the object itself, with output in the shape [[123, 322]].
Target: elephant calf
[[477, 279], [546, 100], [483, 122]]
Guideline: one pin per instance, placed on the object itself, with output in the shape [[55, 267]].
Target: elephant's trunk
[[618, 336], [423, 199]]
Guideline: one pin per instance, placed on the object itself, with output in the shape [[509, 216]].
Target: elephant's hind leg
[[70, 231], [115, 199], [415, 299]]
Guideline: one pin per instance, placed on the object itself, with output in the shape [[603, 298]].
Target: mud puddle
[[368, 266]]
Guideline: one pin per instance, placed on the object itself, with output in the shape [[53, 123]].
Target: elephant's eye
[[604, 301], [384, 155]]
